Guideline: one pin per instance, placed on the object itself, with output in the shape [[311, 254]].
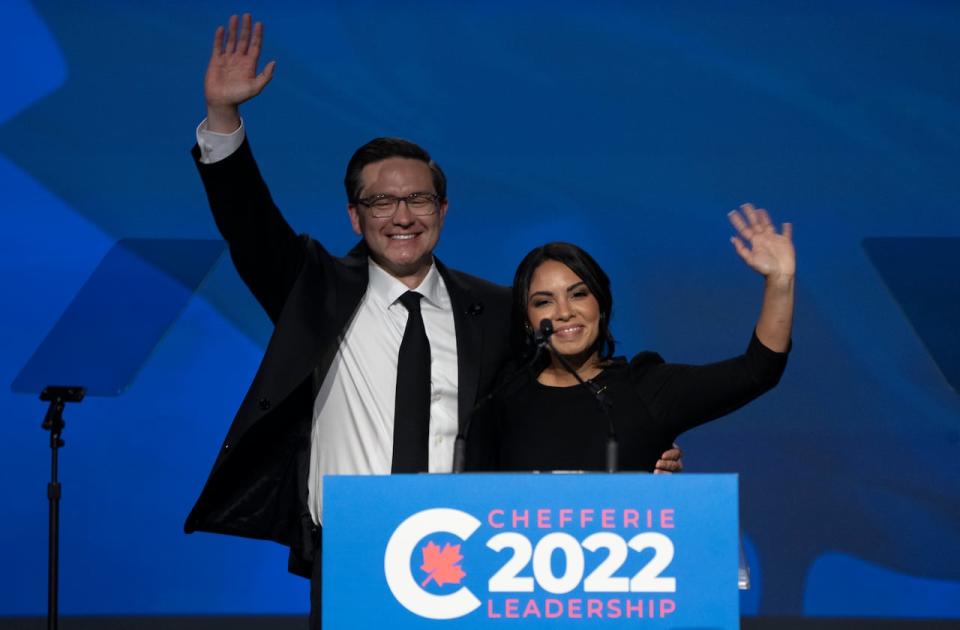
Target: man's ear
[[354, 214]]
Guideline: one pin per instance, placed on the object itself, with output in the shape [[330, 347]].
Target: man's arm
[[267, 253]]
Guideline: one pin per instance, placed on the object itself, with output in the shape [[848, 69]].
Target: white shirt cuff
[[217, 146]]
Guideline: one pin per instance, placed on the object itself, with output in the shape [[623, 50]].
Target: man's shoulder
[[355, 259], [476, 284]]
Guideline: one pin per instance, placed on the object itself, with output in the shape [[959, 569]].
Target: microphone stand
[[612, 454], [460, 445], [53, 422]]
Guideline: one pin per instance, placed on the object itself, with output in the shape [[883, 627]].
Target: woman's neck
[[556, 375]]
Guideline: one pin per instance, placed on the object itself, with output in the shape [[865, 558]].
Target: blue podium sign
[[538, 550]]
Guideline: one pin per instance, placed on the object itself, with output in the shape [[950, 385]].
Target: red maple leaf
[[441, 566]]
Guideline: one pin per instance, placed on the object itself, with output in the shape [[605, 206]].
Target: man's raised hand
[[232, 77]]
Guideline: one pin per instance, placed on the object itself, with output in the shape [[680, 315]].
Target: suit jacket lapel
[[469, 340], [351, 285]]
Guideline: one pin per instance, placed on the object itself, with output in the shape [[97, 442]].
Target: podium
[[497, 550]]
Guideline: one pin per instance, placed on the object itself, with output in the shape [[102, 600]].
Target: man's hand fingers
[[264, 77], [243, 43], [674, 453], [217, 42], [256, 40], [665, 466], [231, 35], [670, 462]]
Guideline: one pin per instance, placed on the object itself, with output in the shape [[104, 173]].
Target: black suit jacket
[[258, 485]]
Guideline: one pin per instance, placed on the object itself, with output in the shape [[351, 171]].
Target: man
[[353, 345]]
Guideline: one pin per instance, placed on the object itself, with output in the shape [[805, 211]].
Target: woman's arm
[[684, 396], [771, 255]]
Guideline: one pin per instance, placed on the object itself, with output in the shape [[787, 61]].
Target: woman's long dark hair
[[580, 263]]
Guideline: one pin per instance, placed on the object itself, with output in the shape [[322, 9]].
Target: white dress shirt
[[217, 146], [353, 411]]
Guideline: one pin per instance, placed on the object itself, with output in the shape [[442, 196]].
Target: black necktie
[[411, 417]]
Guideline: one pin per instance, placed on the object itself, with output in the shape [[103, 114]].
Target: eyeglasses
[[383, 206]]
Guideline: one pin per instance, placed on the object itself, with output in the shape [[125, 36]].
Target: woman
[[542, 419]]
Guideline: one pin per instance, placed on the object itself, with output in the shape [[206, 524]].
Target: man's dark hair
[[580, 263], [380, 149]]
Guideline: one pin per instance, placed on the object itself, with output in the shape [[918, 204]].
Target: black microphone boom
[[611, 454], [460, 444]]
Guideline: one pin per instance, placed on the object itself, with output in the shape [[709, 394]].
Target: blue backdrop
[[628, 129]]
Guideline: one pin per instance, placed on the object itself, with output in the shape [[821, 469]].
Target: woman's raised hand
[[758, 243]]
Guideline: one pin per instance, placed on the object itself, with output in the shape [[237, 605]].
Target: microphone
[[611, 455], [544, 330]]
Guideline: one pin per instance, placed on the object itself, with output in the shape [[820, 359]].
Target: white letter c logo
[[396, 563]]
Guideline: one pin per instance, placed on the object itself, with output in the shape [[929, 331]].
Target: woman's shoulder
[[641, 360], [635, 368]]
